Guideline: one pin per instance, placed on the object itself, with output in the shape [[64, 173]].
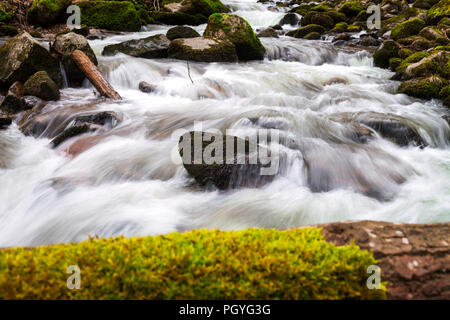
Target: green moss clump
[[425, 88], [111, 15], [408, 28], [442, 48], [312, 36], [340, 27], [203, 264], [354, 28], [303, 31], [413, 58], [320, 8], [351, 8], [302, 9], [405, 53], [336, 16], [439, 11], [394, 63], [389, 49], [445, 92]]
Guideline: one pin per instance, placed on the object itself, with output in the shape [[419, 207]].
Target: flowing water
[[128, 184]]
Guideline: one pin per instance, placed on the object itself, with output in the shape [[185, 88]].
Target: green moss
[[303, 31], [6, 15], [445, 92], [405, 53], [336, 16], [320, 8], [303, 9], [389, 49], [112, 15], [408, 28], [439, 11], [239, 32], [413, 58], [442, 48], [204, 264], [425, 88], [351, 8], [394, 63], [340, 27], [45, 12], [354, 29]]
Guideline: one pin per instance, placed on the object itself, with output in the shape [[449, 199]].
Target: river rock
[[22, 56], [67, 43], [13, 102], [413, 258], [153, 47], [235, 29], [181, 32], [351, 8], [268, 33], [222, 176], [290, 18], [388, 49], [146, 87], [44, 12], [303, 31], [433, 64], [203, 50], [5, 122], [425, 88], [42, 86], [319, 18]]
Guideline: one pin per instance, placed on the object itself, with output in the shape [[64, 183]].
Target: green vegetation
[[45, 12], [351, 8], [439, 11], [303, 31], [389, 49], [425, 88], [204, 264], [112, 15], [340, 27], [408, 28], [5, 15]]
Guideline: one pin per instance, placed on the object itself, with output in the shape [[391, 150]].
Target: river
[[127, 184]]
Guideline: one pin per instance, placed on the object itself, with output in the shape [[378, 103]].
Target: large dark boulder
[[67, 43], [13, 102], [150, 48], [319, 18], [45, 12], [42, 86], [181, 32], [240, 172], [388, 49], [22, 56]]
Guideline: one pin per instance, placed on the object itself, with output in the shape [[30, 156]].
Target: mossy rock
[[320, 8], [46, 12], [178, 18], [394, 63], [312, 36], [424, 88], [22, 56], [442, 48], [319, 18], [181, 32], [444, 22], [431, 33], [405, 53], [111, 15], [351, 8], [445, 92], [64, 46], [303, 31], [203, 50], [354, 28], [193, 7], [408, 28], [432, 64], [152, 47], [336, 16], [203, 264], [388, 49], [42, 86], [439, 11], [8, 31], [413, 58], [239, 32], [302, 9], [340, 27]]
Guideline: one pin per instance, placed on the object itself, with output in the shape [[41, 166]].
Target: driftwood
[[93, 74]]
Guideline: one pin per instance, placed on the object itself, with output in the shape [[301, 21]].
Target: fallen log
[[93, 74]]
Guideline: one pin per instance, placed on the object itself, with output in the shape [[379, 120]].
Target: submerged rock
[[5, 122], [22, 56], [67, 43], [153, 47], [235, 29], [146, 87], [203, 50], [268, 33], [181, 32], [290, 18], [239, 171], [42, 86]]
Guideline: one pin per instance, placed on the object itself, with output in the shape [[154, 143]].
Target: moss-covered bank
[[205, 264]]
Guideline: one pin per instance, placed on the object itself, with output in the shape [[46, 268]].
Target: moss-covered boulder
[[351, 8], [303, 31], [111, 15], [67, 43], [388, 49], [438, 11], [42, 86], [152, 47], [432, 64], [239, 32], [181, 32], [22, 56], [408, 28], [203, 50], [412, 58], [431, 33], [201, 264], [340, 27], [45, 12], [319, 18], [312, 36], [425, 88]]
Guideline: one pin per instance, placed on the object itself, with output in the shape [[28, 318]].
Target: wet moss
[[408, 28], [413, 58], [389, 49], [394, 63], [445, 92], [303, 31], [405, 53], [425, 88], [202, 264], [340, 27], [351, 8], [439, 11], [111, 15]]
